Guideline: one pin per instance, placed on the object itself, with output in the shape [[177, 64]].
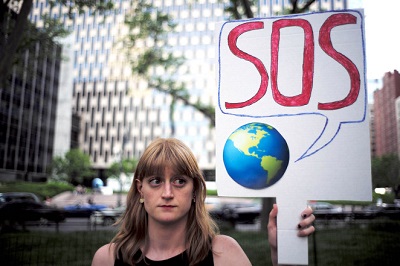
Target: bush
[[42, 190]]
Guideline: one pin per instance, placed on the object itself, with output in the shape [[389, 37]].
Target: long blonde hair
[[201, 229]]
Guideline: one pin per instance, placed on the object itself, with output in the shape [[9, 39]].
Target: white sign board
[[292, 117]]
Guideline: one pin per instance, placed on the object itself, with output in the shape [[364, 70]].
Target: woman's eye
[[154, 181], [180, 181]]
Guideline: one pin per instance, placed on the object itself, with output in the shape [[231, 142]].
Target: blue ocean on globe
[[256, 155]]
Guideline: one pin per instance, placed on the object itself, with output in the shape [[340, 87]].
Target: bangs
[[167, 155]]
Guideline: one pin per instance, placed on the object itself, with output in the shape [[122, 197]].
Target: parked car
[[82, 210], [236, 212], [378, 210], [20, 212], [13, 196], [326, 210], [107, 216]]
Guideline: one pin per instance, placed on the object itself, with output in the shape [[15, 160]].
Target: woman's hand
[[305, 226], [305, 229]]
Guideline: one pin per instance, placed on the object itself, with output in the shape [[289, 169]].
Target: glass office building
[[118, 112]]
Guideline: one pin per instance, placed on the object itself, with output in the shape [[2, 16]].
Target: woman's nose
[[167, 192]]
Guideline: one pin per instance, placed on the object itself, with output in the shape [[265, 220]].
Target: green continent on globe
[[271, 165], [244, 139], [256, 155]]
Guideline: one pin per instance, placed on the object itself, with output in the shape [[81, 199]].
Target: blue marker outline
[[305, 154]]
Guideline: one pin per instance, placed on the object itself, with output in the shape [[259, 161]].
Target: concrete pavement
[[71, 198]]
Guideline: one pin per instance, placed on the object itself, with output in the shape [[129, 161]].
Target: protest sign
[[292, 115]]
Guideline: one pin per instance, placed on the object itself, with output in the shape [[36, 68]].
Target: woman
[[166, 222]]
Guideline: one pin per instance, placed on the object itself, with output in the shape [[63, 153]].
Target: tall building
[[64, 127], [28, 113], [120, 114], [397, 103], [385, 122]]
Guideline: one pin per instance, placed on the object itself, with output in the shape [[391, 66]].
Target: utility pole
[[125, 139]]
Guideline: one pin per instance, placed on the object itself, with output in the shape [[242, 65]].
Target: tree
[[148, 25], [126, 166], [73, 168], [386, 173], [239, 9], [14, 24]]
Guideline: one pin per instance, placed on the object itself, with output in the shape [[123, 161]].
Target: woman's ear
[[139, 186]]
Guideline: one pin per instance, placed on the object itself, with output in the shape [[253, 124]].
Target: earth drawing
[[256, 155]]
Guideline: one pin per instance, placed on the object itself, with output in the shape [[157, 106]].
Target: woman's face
[[167, 197]]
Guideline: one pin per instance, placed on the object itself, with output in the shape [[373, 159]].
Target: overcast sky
[[382, 33]]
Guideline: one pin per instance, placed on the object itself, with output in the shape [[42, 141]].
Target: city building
[[276, 7], [28, 103], [397, 103], [386, 116], [118, 113], [67, 123]]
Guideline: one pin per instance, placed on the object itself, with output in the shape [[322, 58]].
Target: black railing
[[336, 242]]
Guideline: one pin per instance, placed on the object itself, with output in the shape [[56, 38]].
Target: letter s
[[232, 39], [326, 45]]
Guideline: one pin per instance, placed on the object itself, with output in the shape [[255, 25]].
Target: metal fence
[[72, 242], [336, 242]]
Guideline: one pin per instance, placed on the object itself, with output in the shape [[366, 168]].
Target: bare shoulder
[[104, 256], [227, 251]]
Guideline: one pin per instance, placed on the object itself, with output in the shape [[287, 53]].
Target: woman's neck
[[165, 241]]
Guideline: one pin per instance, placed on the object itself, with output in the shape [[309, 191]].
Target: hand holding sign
[[303, 77]]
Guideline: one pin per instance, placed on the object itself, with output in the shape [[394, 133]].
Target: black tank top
[[178, 260]]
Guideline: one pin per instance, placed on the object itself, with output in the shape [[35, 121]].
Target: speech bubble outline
[[330, 129]]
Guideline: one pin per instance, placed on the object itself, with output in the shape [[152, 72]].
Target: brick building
[[385, 116]]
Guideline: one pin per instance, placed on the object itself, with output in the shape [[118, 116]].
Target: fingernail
[[304, 215], [299, 226]]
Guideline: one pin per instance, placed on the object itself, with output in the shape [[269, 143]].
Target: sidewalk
[[70, 198]]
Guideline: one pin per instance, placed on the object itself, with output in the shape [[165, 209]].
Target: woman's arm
[[305, 229]]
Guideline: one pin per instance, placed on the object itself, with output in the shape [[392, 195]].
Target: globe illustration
[[256, 155]]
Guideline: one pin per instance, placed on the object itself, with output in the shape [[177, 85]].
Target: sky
[[382, 38]]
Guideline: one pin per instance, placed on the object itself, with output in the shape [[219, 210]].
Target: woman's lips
[[167, 206]]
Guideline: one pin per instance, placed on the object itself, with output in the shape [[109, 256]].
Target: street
[[69, 225]]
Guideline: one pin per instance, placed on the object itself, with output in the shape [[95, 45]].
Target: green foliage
[[14, 25], [386, 172], [239, 9], [73, 168], [148, 50], [386, 198], [127, 166], [212, 192], [148, 24], [42, 190]]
